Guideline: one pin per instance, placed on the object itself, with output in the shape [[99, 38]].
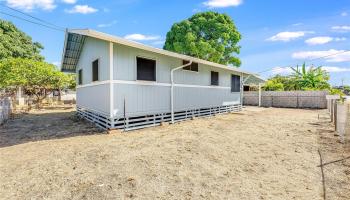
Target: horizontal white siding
[[94, 97], [153, 99]]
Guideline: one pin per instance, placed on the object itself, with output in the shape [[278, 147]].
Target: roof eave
[[115, 39]]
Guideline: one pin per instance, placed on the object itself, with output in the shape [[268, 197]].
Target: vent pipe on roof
[[172, 88]]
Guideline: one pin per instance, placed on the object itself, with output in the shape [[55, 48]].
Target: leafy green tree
[[37, 78], [15, 43], [209, 35], [273, 85], [312, 78]]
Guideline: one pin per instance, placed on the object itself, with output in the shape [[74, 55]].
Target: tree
[[312, 78], [273, 85], [346, 90], [37, 78], [15, 43], [301, 79], [209, 35]]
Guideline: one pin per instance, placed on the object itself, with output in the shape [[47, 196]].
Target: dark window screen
[[192, 67], [146, 69], [80, 76], [95, 70], [214, 78], [235, 83]]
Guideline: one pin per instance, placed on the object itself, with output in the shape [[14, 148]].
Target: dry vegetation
[[257, 154]]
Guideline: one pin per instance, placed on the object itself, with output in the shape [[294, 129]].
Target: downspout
[[172, 88]]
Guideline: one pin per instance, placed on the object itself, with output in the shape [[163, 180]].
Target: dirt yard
[[260, 153]]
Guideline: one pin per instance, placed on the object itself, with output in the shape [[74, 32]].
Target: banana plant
[[310, 78]]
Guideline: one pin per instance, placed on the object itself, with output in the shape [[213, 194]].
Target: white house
[[128, 85]]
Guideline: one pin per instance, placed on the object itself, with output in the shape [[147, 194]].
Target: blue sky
[[276, 34]]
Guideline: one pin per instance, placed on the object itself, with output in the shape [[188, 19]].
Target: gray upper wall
[[124, 63]]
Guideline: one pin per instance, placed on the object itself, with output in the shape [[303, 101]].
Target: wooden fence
[[5, 109]]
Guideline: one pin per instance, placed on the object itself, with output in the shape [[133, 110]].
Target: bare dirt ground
[[261, 153]]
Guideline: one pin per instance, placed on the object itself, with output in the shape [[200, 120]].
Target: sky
[[275, 34]]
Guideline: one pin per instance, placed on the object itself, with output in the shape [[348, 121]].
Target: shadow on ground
[[44, 125]]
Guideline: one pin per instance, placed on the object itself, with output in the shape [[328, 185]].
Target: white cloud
[[140, 37], [29, 5], [342, 29], [344, 14], [336, 69], [323, 40], [107, 24], [297, 24], [222, 3], [70, 1], [332, 55], [83, 9], [281, 70], [158, 43], [288, 36]]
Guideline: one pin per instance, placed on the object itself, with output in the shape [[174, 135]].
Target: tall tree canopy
[[209, 35], [15, 43]]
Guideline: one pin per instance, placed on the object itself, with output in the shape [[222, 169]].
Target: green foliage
[[15, 43], [346, 90], [273, 85], [209, 35], [312, 78], [333, 91], [37, 78], [301, 79]]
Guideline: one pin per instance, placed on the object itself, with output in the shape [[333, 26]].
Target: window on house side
[[214, 78], [95, 70], [193, 67], [235, 83], [146, 69]]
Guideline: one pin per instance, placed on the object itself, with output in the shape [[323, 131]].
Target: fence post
[[336, 115]]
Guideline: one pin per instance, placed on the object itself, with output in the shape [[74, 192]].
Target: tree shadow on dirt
[[50, 124]]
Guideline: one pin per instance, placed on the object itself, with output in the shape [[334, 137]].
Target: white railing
[[5, 109]]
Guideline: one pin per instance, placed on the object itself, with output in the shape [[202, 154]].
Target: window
[[235, 83], [146, 69], [80, 77], [192, 67], [214, 78], [95, 70]]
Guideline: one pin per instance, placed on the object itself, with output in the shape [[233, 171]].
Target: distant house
[[128, 85]]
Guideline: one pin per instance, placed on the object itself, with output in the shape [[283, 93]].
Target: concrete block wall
[[287, 99]]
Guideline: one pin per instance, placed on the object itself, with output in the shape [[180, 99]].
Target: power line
[[270, 69], [40, 24], [36, 18]]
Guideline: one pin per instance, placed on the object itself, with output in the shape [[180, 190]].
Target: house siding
[[193, 89], [94, 49]]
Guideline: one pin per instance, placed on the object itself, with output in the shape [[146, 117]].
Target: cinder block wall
[[287, 99]]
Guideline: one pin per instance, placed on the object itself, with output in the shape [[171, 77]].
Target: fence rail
[[5, 109]]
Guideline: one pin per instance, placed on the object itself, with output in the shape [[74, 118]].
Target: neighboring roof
[[75, 39], [253, 79]]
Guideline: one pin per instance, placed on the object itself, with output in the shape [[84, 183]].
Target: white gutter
[[172, 88]]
